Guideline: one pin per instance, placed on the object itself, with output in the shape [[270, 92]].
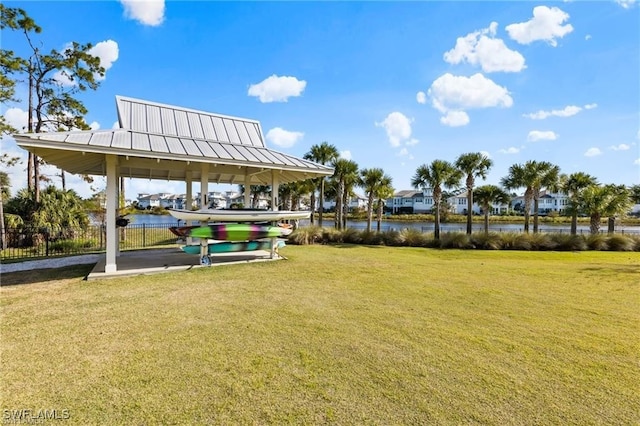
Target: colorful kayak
[[231, 247], [237, 232], [185, 231], [238, 215]]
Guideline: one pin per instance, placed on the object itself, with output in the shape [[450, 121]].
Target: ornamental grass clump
[[392, 238], [542, 242], [307, 235], [597, 242], [414, 238], [455, 240], [515, 241], [621, 243], [490, 241], [568, 242]]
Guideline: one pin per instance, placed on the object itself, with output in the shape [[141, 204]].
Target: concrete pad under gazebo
[[157, 141]]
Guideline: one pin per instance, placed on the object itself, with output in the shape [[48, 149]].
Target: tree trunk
[[536, 203], [594, 225], [313, 207], [63, 179], [3, 236], [527, 209], [611, 224], [380, 208], [370, 212], [469, 204], [486, 219], [321, 207], [36, 178], [574, 223]]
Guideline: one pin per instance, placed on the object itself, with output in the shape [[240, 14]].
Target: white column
[[204, 185], [189, 181], [189, 200], [274, 189], [247, 189], [112, 205]]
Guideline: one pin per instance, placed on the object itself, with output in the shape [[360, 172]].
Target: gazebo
[[157, 141]]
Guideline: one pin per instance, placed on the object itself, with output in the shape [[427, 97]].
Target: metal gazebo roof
[[159, 141]]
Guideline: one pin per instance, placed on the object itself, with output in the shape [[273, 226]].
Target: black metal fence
[[42, 242]]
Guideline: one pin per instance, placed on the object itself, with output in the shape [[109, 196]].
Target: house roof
[[159, 141], [407, 193]]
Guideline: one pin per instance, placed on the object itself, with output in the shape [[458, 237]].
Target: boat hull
[[232, 247], [236, 232], [231, 215]]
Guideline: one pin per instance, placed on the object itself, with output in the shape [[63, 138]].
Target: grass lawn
[[336, 334]]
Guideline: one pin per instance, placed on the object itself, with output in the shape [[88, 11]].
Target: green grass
[[336, 334]]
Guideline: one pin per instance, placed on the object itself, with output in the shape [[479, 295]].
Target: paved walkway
[[57, 262]]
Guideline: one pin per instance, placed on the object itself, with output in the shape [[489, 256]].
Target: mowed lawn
[[335, 334]]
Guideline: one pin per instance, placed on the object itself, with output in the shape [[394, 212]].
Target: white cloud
[[277, 89], [567, 111], [283, 138], [538, 135], [510, 150], [481, 48], [587, 37], [403, 152], [421, 98], [485, 153], [94, 125], [147, 12], [627, 4], [455, 118], [621, 147], [412, 142], [637, 162], [592, 152], [590, 106], [116, 125], [346, 154], [397, 126], [62, 78], [108, 53], [455, 94], [17, 118], [546, 25]]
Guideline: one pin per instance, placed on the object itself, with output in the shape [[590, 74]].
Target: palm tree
[[533, 176], [370, 180], [572, 185], [604, 201], [634, 190], [472, 165], [437, 175], [324, 153], [490, 194], [346, 175], [384, 192]]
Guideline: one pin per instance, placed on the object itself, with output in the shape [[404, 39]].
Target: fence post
[[144, 235], [46, 244]]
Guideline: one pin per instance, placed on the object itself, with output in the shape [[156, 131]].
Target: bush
[[307, 235], [414, 238], [455, 240], [621, 243], [597, 242], [490, 241], [514, 241], [568, 242], [542, 242], [392, 238]]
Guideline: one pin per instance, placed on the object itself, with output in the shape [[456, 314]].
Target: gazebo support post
[[112, 204], [247, 189], [274, 205], [189, 200], [204, 192]]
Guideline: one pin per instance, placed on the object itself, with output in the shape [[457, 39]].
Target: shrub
[[392, 238], [456, 240], [351, 236], [568, 242], [372, 238], [597, 242], [490, 241], [621, 243], [542, 242], [307, 235], [514, 241], [413, 238]]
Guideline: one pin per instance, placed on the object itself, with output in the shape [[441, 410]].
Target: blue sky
[[390, 84]]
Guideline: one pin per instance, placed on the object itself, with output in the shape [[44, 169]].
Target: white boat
[[238, 215]]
